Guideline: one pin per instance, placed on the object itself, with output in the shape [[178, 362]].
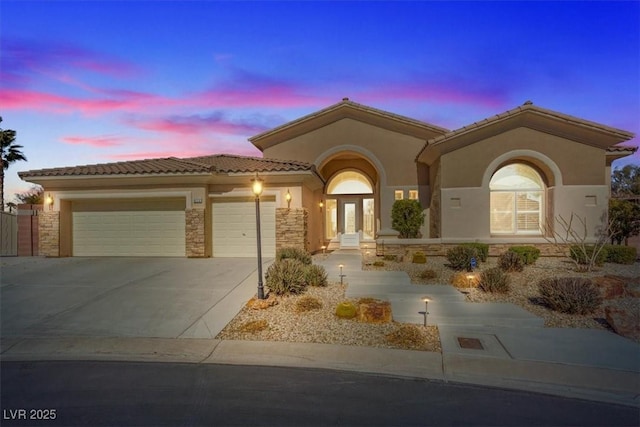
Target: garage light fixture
[[50, 201], [288, 199]]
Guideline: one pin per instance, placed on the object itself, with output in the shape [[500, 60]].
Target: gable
[[527, 116], [346, 110]]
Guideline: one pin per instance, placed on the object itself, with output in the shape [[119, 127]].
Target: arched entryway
[[350, 201]]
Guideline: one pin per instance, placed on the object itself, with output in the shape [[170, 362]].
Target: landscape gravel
[[282, 321]]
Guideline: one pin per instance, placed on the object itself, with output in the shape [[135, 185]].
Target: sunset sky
[[100, 81]]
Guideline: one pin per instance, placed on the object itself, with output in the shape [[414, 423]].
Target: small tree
[[574, 234], [9, 153], [625, 181], [35, 196], [624, 216], [407, 218]]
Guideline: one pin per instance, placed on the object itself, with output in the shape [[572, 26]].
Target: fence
[[8, 234]]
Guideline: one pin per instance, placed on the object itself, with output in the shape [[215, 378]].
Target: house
[[330, 180]]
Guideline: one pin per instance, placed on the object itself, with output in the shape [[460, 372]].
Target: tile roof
[[221, 163], [621, 149]]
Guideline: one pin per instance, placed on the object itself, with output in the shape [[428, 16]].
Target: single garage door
[[234, 227], [129, 228]]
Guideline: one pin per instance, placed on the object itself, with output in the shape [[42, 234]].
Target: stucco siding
[[395, 151], [579, 164], [465, 213]]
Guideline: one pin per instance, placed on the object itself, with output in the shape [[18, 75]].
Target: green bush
[[419, 258], [481, 248], [346, 310], [578, 255], [459, 257], [315, 275], [293, 253], [510, 261], [407, 218], [286, 276], [573, 295], [529, 254], [378, 263], [494, 280], [621, 254]]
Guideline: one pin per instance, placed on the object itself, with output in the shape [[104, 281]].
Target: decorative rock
[[610, 286], [374, 312], [464, 280], [261, 304], [624, 317]]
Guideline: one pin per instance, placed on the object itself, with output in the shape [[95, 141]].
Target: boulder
[[623, 316], [610, 286], [260, 304], [374, 312]]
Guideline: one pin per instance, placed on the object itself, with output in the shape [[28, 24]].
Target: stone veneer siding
[[194, 233], [440, 249], [292, 228], [49, 233]]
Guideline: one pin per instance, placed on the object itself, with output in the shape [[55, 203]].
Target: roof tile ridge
[[191, 161]]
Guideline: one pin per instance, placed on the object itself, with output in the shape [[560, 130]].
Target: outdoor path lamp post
[[257, 190]]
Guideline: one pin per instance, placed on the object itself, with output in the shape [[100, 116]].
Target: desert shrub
[[286, 276], [481, 248], [529, 254], [308, 303], [406, 336], [583, 257], [346, 310], [459, 257], [428, 274], [378, 263], [390, 257], [407, 218], [494, 280], [253, 326], [315, 275], [573, 295], [510, 261], [294, 253], [621, 254], [419, 258]]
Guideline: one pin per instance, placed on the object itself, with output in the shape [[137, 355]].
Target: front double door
[[350, 216]]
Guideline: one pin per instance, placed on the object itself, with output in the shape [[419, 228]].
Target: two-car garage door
[[129, 228]]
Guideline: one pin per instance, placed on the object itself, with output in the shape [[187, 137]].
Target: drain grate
[[470, 343]]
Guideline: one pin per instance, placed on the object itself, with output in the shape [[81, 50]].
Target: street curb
[[620, 387]]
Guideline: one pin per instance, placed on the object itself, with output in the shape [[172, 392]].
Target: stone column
[[291, 228], [194, 233], [49, 233]]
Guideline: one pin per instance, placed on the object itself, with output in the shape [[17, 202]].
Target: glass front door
[[349, 210]]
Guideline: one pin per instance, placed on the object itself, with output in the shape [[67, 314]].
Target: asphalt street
[[74, 393]]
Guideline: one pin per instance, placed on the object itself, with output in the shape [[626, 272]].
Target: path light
[[341, 275], [426, 309], [324, 248], [256, 187], [288, 199], [470, 279]]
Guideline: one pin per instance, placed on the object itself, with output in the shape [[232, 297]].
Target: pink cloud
[[16, 99], [195, 124], [95, 141]]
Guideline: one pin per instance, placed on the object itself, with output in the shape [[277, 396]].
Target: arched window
[[349, 182], [517, 194]]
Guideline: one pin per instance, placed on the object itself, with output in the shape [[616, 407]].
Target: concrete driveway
[[122, 297]]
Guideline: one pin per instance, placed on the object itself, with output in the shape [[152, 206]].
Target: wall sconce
[[321, 204], [49, 201], [288, 199]]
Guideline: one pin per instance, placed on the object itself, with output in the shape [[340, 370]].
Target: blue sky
[[99, 81]]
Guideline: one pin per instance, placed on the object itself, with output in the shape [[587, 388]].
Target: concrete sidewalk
[[476, 349]]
